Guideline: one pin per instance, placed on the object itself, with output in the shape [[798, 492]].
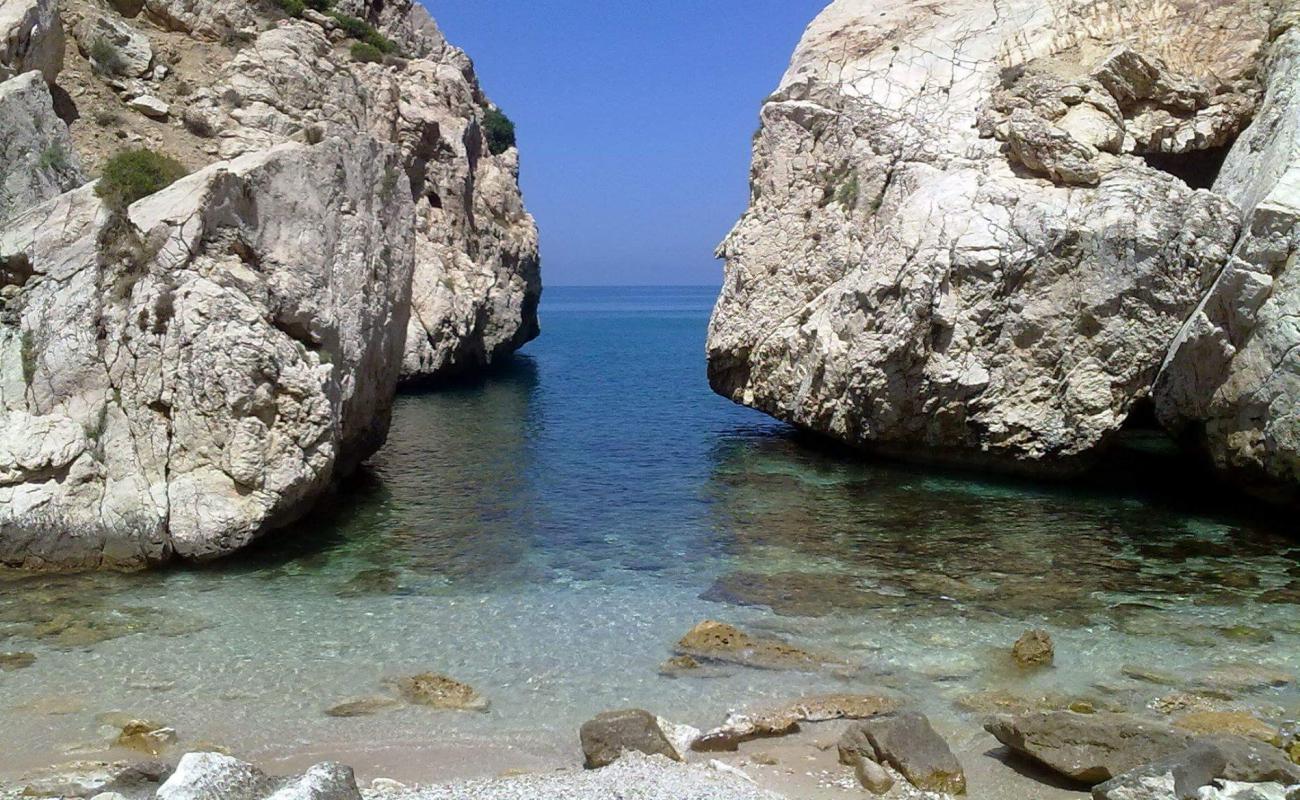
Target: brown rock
[[363, 706], [439, 691], [785, 719], [910, 745], [677, 665], [1090, 748], [610, 734], [1034, 649], [13, 661], [146, 737], [1230, 723], [718, 641]]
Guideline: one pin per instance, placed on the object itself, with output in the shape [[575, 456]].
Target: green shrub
[[106, 58], [366, 53], [500, 131], [54, 157], [293, 8], [133, 174], [363, 31], [320, 5]]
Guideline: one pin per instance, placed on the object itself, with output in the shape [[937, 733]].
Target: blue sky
[[634, 121]]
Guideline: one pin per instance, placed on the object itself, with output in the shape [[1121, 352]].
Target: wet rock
[[439, 691], [1179, 776], [1090, 748], [873, 777], [1150, 675], [212, 776], [613, 733], [1184, 701], [797, 594], [89, 778], [677, 665], [13, 661], [718, 641], [1250, 761], [1001, 701], [1034, 649], [1234, 679], [381, 581], [146, 737], [1230, 723], [910, 745], [783, 720], [327, 781], [363, 706]]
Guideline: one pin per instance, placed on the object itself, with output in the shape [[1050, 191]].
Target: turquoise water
[[546, 536]]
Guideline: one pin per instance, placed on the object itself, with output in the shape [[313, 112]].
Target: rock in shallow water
[[718, 641], [1034, 649], [439, 691]]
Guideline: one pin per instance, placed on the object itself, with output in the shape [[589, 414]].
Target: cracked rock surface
[[975, 229], [178, 379]]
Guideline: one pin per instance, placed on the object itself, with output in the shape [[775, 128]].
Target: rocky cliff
[[983, 233], [183, 374]]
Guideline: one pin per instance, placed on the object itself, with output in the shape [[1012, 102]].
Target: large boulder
[[477, 283], [975, 227], [213, 776], [906, 742], [113, 47], [611, 734], [182, 377], [37, 158], [1232, 378], [1089, 748], [31, 38]]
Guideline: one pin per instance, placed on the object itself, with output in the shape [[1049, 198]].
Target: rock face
[[179, 379], [37, 159], [31, 38], [974, 232], [477, 282], [1232, 378]]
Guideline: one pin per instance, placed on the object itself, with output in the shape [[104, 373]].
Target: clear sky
[[634, 121]]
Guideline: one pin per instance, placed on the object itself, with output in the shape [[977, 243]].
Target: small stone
[[439, 691], [109, 796], [1034, 649], [873, 777], [764, 759], [146, 737], [150, 106], [13, 661], [677, 665], [1148, 675], [609, 735], [387, 785]]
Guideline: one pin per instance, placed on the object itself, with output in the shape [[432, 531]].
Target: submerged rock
[[612, 733], [1034, 649], [13, 661], [718, 641], [439, 691], [363, 706], [910, 745], [145, 736], [1230, 723]]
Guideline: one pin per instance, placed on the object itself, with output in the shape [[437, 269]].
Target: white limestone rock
[[31, 38], [1232, 378], [477, 281], [322, 782], [947, 256], [181, 381], [127, 51], [37, 157], [212, 776]]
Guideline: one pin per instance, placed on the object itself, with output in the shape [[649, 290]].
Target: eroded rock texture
[[37, 159], [180, 378], [477, 281], [975, 229]]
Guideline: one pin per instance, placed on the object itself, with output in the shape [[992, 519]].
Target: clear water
[[547, 535]]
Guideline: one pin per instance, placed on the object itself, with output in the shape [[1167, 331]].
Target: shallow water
[[546, 536]]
